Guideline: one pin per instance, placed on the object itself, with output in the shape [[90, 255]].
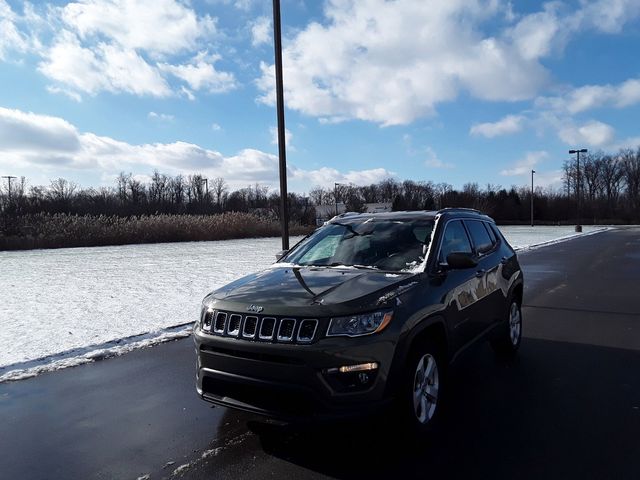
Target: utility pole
[[282, 150], [335, 195], [532, 172], [9, 178], [578, 152]]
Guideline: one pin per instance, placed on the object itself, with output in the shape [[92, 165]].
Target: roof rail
[[459, 209]]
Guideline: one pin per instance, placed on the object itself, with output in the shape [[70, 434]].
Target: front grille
[[261, 329], [285, 332], [220, 322], [250, 327]]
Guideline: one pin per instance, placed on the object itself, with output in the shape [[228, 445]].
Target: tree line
[[607, 184]]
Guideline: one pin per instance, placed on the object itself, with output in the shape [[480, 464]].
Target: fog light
[[361, 367]]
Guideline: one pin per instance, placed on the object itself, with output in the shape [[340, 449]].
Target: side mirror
[[461, 261], [281, 254]]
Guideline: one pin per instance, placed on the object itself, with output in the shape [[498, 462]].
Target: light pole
[[282, 151], [578, 152], [532, 172], [335, 195]]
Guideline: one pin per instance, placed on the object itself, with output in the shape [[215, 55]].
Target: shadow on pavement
[[561, 410]]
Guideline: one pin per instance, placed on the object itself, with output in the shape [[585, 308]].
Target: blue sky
[[450, 91]]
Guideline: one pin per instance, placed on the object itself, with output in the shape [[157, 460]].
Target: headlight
[[356, 325], [206, 317]]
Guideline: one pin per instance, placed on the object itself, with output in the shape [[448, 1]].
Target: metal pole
[[578, 151], [578, 226], [277, 41], [532, 172], [335, 196], [9, 178]]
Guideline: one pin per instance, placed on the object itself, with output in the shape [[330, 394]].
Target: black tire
[[509, 335], [421, 411]]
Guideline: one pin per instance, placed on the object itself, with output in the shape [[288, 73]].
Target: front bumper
[[294, 381]]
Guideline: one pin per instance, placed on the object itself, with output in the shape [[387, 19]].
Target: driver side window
[[455, 239]]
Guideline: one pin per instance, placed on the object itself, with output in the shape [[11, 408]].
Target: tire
[[509, 337], [421, 403]]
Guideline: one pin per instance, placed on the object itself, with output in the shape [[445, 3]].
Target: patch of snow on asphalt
[[71, 299]]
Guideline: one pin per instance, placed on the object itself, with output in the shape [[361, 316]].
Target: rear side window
[[480, 236], [494, 240], [455, 239]]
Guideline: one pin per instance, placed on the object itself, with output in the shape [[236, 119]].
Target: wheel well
[[517, 294], [434, 334]]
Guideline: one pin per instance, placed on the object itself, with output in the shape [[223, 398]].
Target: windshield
[[386, 245]]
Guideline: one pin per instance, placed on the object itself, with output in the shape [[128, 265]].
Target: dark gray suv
[[368, 310]]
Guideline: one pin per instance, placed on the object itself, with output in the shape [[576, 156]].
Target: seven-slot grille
[[263, 329]]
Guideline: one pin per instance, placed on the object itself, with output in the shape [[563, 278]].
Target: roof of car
[[411, 215]]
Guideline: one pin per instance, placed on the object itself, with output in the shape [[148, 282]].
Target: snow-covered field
[[76, 300]]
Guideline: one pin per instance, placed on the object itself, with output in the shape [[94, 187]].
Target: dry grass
[[61, 230]]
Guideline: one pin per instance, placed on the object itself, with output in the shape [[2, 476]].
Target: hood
[[286, 290]]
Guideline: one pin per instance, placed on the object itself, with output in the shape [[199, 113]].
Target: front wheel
[[510, 335], [423, 389]]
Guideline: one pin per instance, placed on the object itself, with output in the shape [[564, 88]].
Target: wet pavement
[[567, 407]]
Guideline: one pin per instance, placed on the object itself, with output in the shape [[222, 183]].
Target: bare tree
[[219, 187], [61, 190]]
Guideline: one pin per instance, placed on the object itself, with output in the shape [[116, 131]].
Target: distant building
[[326, 212]]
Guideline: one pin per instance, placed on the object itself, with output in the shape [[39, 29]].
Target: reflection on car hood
[[291, 286]]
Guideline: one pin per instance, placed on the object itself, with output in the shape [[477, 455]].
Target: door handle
[[480, 273]]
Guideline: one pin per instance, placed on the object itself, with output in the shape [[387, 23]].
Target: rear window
[[479, 236]]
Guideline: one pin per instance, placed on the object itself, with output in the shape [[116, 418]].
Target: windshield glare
[[386, 245]]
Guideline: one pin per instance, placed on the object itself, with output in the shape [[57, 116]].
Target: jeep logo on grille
[[254, 308]]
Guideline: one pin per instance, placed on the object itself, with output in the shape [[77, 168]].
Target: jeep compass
[[368, 310]]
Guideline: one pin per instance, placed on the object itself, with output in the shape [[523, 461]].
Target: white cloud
[[10, 37], [589, 97], [393, 62], [156, 26], [326, 176], [537, 34], [261, 31], [593, 133], [526, 164], [215, 127], [29, 132], [53, 146], [433, 161], [288, 137], [350, 66], [165, 117], [76, 97], [504, 126], [201, 74], [105, 67]]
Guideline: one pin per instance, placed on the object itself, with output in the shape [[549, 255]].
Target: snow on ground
[[82, 300]]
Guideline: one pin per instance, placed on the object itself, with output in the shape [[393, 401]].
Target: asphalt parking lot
[[568, 407]]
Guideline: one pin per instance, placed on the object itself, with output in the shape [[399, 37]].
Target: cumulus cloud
[[505, 126], [261, 31], [433, 161], [201, 74], [29, 140], [118, 46], [526, 164], [159, 27], [593, 133], [589, 97], [393, 62]]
